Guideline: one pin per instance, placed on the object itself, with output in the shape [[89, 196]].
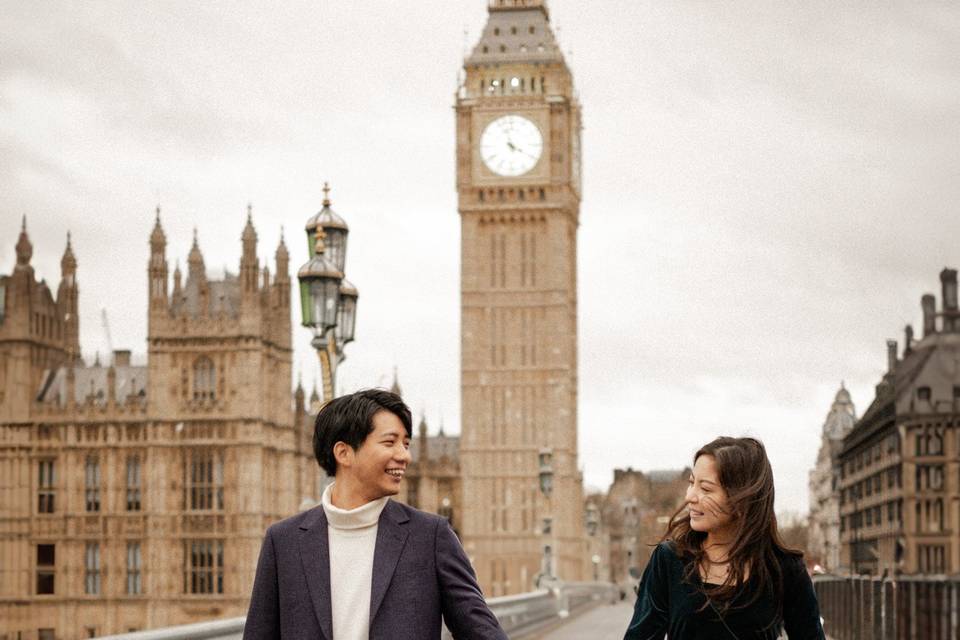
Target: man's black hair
[[349, 419]]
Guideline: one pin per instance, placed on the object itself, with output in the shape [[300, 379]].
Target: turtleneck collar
[[359, 518]]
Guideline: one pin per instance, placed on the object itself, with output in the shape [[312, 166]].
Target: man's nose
[[403, 455]]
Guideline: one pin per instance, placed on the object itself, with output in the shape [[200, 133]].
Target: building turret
[[948, 279], [177, 290], [929, 305], [195, 268], [395, 387], [282, 278], [24, 248], [424, 439], [249, 264], [157, 269], [298, 398], [67, 303]]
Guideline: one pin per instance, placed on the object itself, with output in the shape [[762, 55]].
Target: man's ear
[[343, 454]]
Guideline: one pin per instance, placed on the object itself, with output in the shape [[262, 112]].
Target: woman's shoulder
[[791, 562], [666, 552]]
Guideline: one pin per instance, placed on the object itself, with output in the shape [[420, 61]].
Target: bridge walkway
[[603, 622]]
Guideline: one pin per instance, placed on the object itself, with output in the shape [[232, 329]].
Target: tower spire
[[68, 263], [326, 194], [24, 247], [195, 268]]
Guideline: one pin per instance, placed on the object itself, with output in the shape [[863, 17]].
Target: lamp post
[[328, 301], [545, 459]]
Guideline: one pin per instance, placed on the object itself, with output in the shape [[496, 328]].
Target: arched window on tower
[[204, 379]]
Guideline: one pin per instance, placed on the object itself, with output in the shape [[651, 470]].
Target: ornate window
[[204, 480], [134, 585], [204, 379], [133, 483], [203, 566], [46, 568], [92, 484], [46, 492], [91, 582]]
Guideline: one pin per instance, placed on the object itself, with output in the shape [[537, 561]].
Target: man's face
[[380, 461]]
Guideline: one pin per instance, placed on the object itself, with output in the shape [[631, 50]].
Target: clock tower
[[518, 184]]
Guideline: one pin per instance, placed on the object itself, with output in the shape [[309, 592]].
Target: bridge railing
[[518, 614], [904, 608]]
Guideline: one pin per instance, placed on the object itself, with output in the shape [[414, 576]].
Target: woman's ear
[[343, 454]]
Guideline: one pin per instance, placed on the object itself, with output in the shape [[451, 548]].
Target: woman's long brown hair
[[746, 476]]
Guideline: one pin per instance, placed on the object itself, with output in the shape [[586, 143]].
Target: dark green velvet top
[[668, 604]]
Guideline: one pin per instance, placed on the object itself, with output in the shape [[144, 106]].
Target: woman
[[721, 571]]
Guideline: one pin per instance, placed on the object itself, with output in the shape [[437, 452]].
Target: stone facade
[[432, 481], [136, 496], [900, 465], [519, 206], [636, 511], [823, 541]]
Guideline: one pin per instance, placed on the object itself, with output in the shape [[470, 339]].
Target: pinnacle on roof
[[24, 248], [395, 387], [195, 260], [68, 263], [249, 233], [282, 248], [158, 239]]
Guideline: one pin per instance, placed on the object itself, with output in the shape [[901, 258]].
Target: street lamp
[[545, 459], [328, 301]]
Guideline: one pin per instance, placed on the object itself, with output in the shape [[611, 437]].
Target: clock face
[[511, 145]]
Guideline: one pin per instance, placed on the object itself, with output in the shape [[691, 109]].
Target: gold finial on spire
[[249, 211], [326, 194]]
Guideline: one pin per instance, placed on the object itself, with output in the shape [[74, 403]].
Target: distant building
[[899, 489], [823, 542], [134, 496], [432, 481], [635, 514]]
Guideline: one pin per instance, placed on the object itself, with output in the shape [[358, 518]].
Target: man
[[361, 565]]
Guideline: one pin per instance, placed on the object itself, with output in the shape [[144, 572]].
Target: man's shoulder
[[418, 519], [292, 524]]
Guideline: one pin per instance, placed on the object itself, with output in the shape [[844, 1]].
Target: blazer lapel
[[315, 556], [391, 536]]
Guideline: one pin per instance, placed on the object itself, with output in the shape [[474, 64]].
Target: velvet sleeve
[[651, 612], [801, 613]]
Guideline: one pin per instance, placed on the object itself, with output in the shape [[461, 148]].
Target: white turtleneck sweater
[[352, 538]]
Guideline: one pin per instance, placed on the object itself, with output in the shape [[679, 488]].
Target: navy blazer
[[420, 573]]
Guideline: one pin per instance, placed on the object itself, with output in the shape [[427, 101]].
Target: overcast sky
[[769, 188]]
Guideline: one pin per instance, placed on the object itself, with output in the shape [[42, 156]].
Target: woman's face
[[706, 499]]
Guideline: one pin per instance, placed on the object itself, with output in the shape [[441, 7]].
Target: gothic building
[[635, 514], [823, 543], [432, 481], [136, 496], [900, 465], [518, 183]]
